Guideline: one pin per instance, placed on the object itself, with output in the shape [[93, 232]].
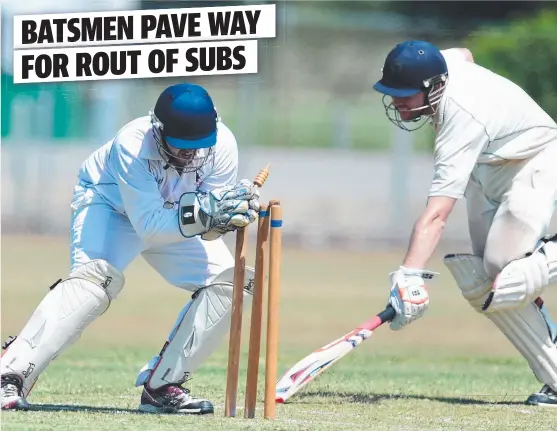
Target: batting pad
[[60, 318], [526, 328], [523, 280], [198, 331], [470, 276]]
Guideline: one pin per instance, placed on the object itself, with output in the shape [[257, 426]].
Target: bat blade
[[307, 369], [314, 364]]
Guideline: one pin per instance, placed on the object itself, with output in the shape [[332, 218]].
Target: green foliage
[[525, 52], [67, 119]]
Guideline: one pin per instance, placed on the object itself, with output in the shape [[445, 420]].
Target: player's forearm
[[425, 237], [158, 227]]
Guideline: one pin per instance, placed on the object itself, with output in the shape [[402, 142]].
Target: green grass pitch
[[452, 370]]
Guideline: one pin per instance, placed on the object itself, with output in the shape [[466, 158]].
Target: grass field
[[452, 370]]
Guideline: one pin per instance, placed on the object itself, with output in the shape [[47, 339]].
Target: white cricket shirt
[[128, 174], [483, 118]]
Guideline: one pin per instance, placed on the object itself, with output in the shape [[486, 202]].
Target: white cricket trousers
[[100, 232], [510, 207]]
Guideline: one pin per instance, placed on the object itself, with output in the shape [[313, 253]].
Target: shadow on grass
[[90, 409], [82, 409], [371, 398], [356, 398]]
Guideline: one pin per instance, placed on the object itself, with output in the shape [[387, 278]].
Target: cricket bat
[[322, 359]]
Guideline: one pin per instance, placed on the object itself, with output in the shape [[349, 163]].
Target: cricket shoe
[[12, 393], [546, 397], [173, 399]]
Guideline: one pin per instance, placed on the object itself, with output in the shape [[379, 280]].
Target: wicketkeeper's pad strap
[[198, 331], [60, 318]]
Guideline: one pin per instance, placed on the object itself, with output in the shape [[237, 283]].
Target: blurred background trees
[[525, 51], [314, 83], [311, 102]]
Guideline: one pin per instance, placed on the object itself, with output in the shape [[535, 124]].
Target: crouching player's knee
[[494, 263], [470, 276], [197, 332], [60, 318], [525, 323], [522, 280], [496, 283]]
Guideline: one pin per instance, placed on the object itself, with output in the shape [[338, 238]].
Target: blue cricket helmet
[[187, 116], [410, 68], [413, 67]]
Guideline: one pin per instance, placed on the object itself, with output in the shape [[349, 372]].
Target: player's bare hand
[[408, 295]]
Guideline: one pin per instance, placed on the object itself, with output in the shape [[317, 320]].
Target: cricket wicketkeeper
[[497, 148], [164, 188]]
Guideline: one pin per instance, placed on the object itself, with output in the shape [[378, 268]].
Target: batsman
[[495, 147], [165, 187]]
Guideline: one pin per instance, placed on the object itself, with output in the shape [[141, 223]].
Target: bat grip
[[376, 321], [387, 314]]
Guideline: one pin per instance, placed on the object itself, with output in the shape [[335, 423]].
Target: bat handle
[[387, 314], [376, 321]]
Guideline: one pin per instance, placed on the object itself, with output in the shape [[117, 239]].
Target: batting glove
[[408, 296]]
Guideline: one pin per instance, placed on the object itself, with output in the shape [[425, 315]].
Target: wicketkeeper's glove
[[220, 211]]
